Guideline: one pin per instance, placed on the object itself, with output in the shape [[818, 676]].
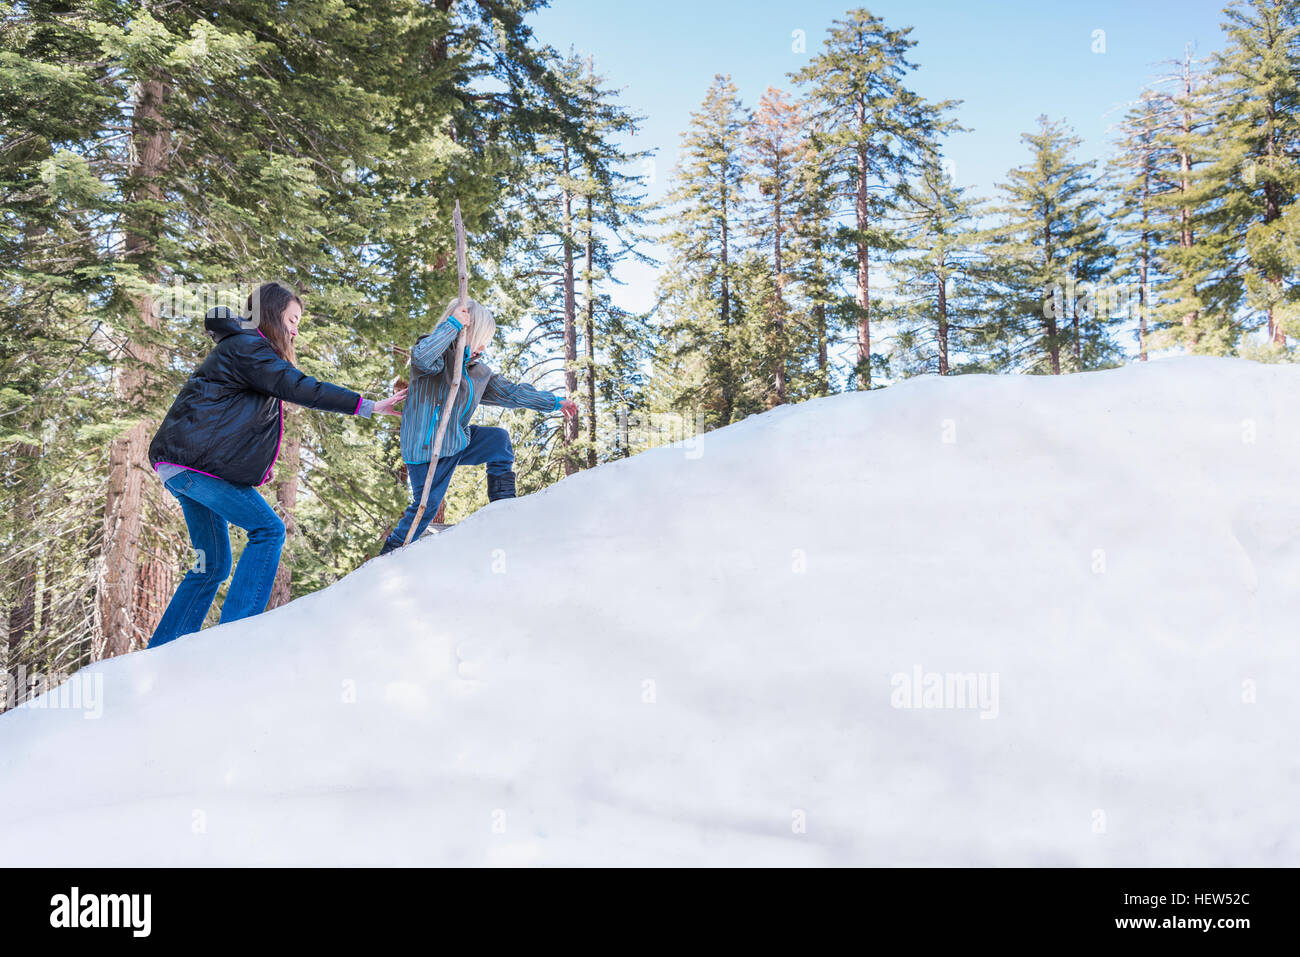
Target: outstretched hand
[[385, 406], [569, 407]]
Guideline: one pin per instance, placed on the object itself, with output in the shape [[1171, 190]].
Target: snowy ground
[[698, 656]]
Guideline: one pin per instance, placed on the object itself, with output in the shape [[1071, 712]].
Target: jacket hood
[[222, 322]]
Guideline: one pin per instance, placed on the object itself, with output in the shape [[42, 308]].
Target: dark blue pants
[[488, 446], [209, 503]]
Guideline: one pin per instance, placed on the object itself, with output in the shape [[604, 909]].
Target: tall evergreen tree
[[1195, 309], [583, 213], [775, 142], [702, 341], [1051, 251], [876, 132], [937, 276], [1255, 175], [612, 226], [1142, 168], [56, 99], [825, 308]]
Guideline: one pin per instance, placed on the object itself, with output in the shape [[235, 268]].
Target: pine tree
[[612, 228], [52, 401], [936, 275], [1050, 251], [701, 352], [1194, 308], [876, 132], [824, 306], [1141, 167], [581, 214], [775, 143], [1255, 175]]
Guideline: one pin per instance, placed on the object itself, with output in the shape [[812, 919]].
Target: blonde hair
[[482, 327]]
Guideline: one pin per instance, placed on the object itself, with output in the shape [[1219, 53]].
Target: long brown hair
[[272, 299]]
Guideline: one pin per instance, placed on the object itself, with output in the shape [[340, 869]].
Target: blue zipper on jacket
[[437, 414], [469, 404]]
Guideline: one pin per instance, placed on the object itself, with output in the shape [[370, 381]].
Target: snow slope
[[696, 656]]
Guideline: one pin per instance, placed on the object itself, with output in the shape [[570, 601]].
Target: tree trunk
[[286, 498], [120, 625], [863, 294], [570, 425], [943, 322], [728, 397], [823, 374], [439, 48], [120, 568], [9, 668], [589, 335], [819, 322], [20, 618], [779, 318], [1053, 346], [22, 608], [1276, 334], [1078, 342], [1185, 237], [157, 579], [1142, 303], [864, 265], [1272, 210], [1143, 261]]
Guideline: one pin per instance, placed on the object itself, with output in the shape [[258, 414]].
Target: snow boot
[[501, 486]]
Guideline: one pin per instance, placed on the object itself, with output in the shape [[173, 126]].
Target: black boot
[[501, 486]]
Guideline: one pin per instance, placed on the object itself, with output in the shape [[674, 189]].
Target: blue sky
[[1008, 61]]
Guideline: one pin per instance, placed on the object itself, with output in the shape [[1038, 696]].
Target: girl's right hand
[[462, 315]]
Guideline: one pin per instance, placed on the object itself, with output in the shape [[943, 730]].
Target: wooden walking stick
[[462, 273]]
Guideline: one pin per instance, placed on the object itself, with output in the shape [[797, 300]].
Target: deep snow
[[695, 656]]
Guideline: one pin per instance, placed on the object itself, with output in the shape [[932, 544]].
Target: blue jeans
[[487, 445], [209, 503]]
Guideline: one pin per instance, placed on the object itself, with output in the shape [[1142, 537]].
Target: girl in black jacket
[[221, 438]]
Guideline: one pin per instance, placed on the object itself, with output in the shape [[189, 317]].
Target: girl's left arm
[[262, 369], [518, 395]]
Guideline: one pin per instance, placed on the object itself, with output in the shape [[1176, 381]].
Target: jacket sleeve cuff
[[556, 407], [455, 322], [364, 408]]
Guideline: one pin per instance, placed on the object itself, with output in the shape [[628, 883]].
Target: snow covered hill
[[979, 620]]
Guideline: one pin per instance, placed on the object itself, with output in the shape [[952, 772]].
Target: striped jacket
[[478, 383]]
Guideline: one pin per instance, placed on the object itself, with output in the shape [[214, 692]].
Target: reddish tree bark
[[122, 624], [286, 500]]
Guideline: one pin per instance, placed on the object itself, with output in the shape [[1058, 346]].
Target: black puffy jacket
[[227, 420]]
